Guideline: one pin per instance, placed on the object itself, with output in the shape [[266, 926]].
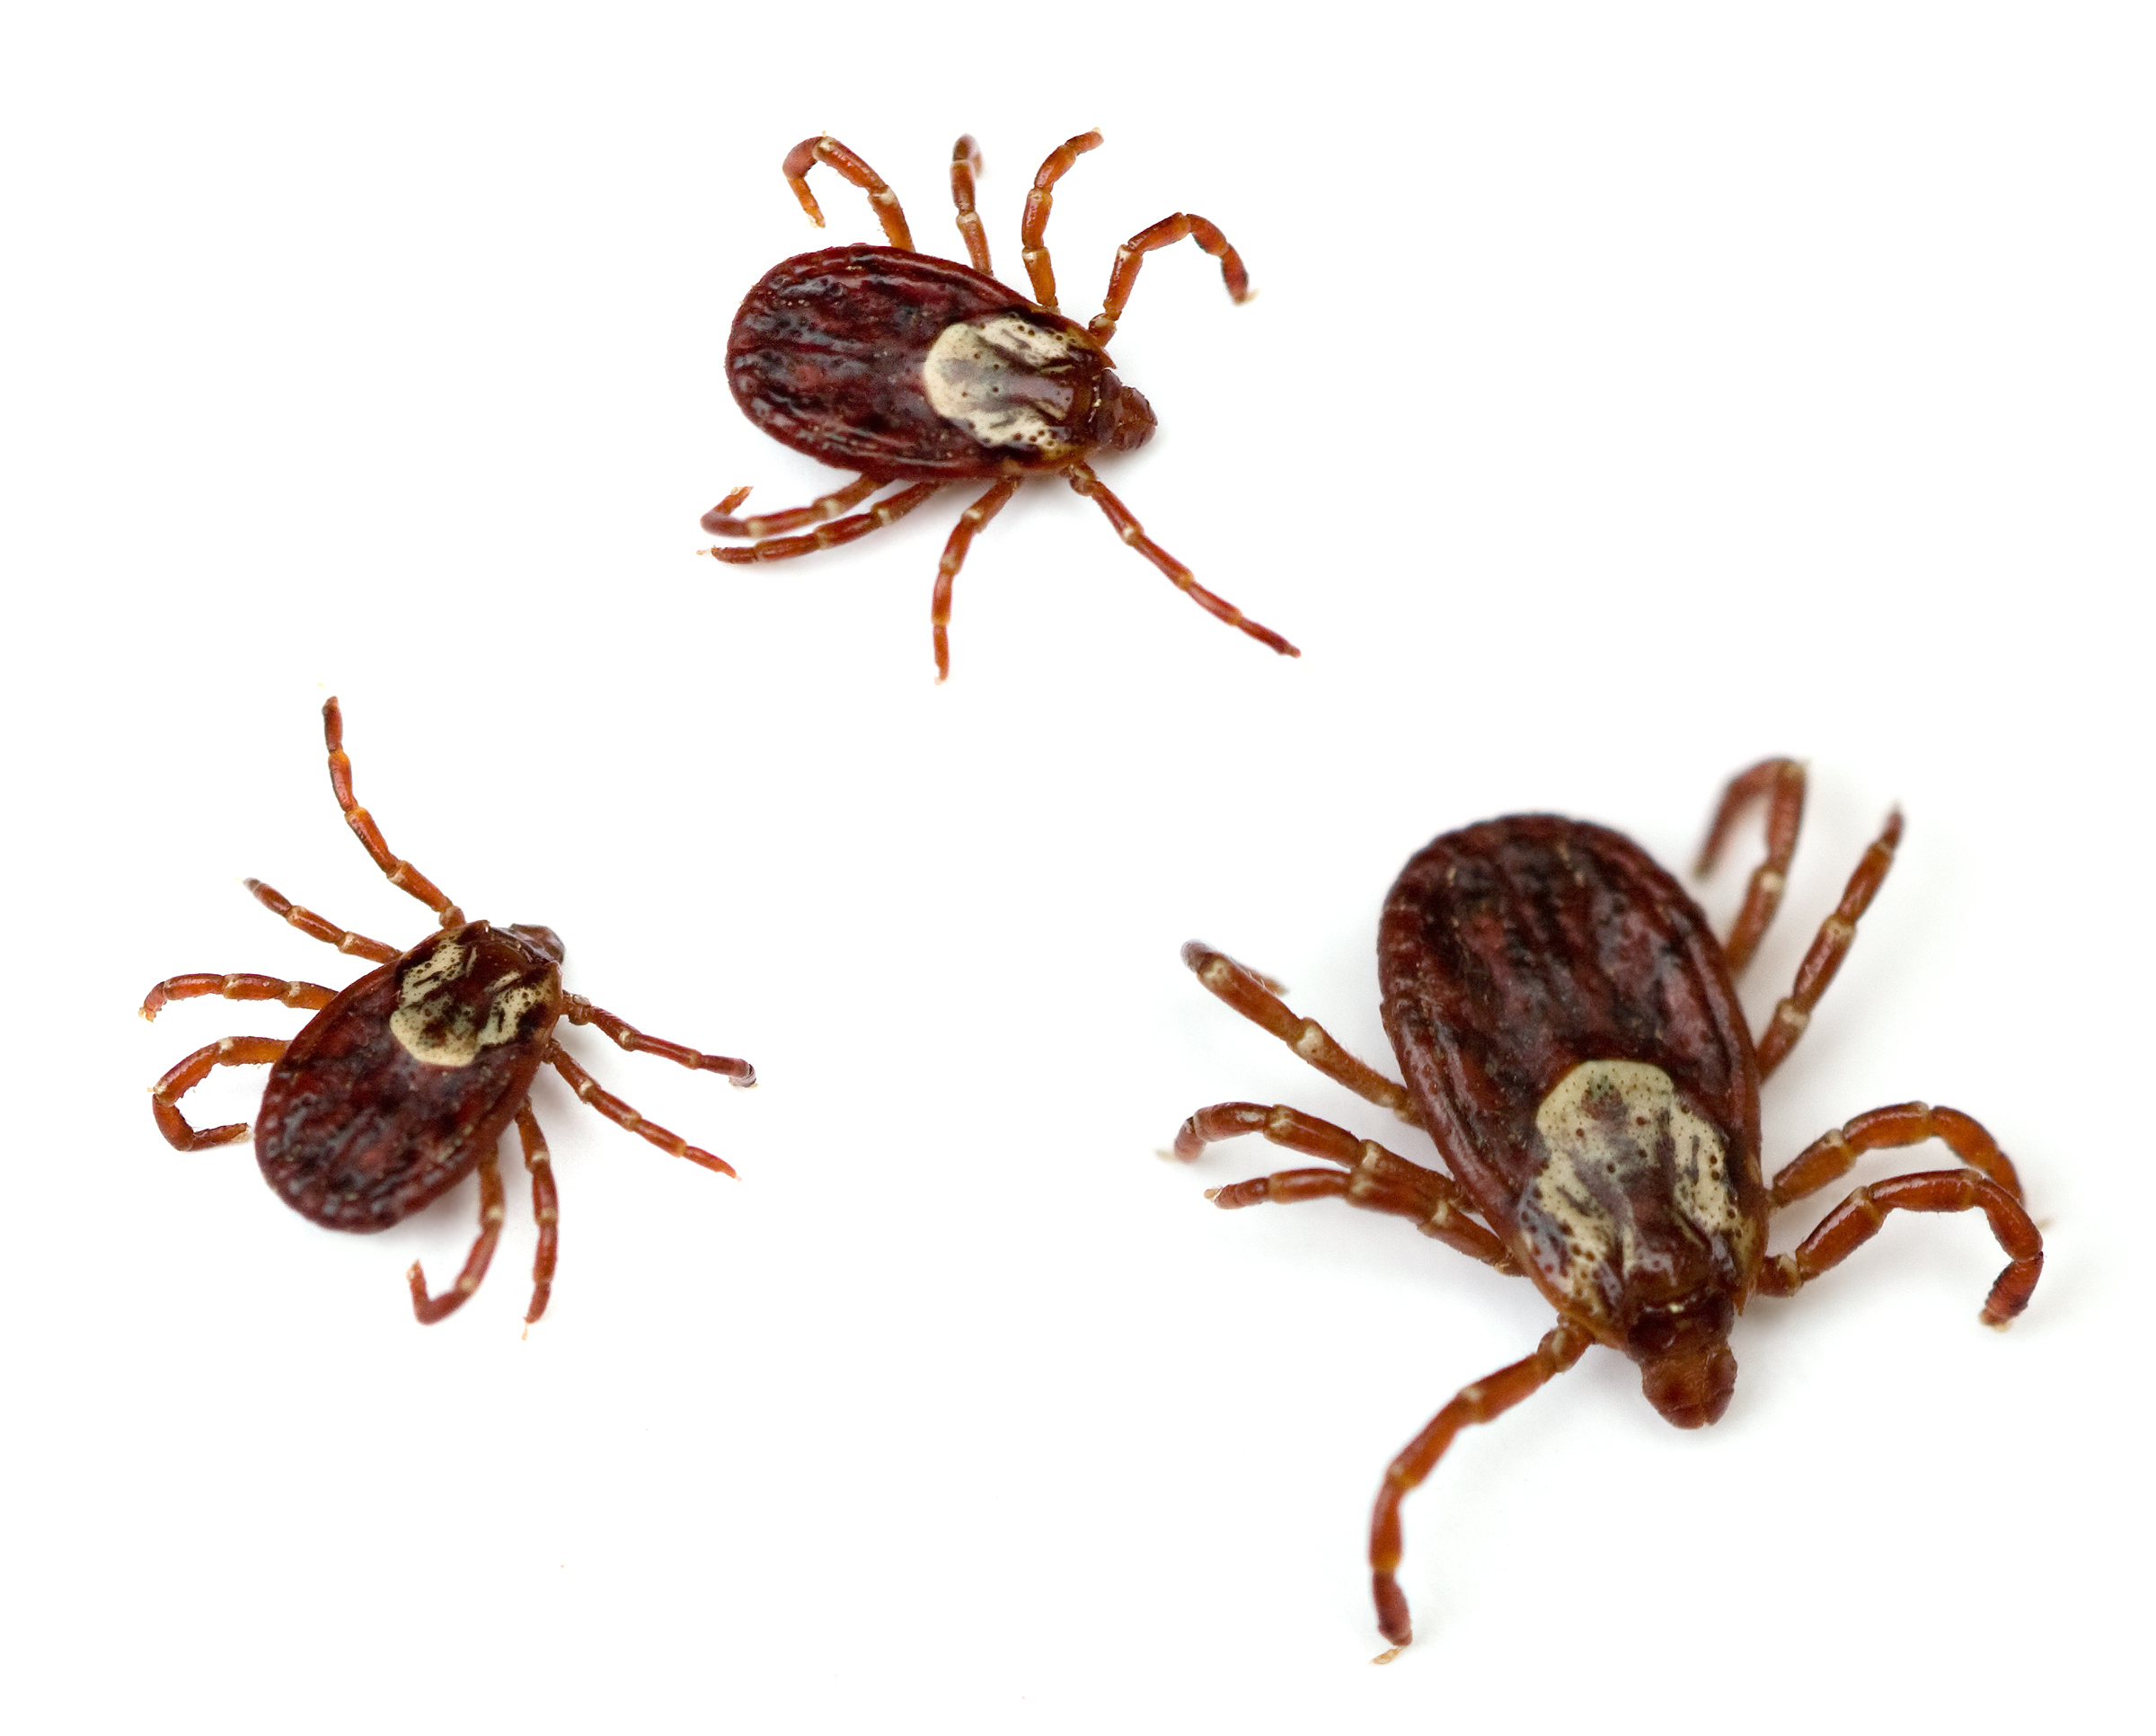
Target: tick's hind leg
[[401, 873], [719, 521], [1132, 532], [317, 928], [621, 1115], [1249, 994], [1781, 782], [1486, 1398], [965, 164], [1829, 947], [1369, 1176], [240, 988], [432, 1309], [546, 1211], [1124, 276], [882, 201], [954, 557], [165, 1094], [1033, 226], [830, 536], [625, 1035]]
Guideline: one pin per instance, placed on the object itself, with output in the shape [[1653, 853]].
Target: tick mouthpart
[[1122, 419], [545, 939], [1691, 1387]]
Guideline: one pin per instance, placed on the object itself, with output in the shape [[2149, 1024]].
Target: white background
[[1624, 398]]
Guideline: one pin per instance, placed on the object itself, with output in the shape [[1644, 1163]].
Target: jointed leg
[[1831, 1156], [1488, 1398], [619, 1112], [579, 1011], [165, 1094], [1244, 990], [1829, 946], [1033, 226], [1781, 782], [965, 164], [1131, 531], [432, 1309], [720, 522], [546, 1211], [954, 557], [846, 530], [1375, 1179], [1166, 233], [243, 987], [315, 927], [882, 201], [401, 873]]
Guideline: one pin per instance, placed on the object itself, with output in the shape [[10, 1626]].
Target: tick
[[1572, 1043], [401, 1085], [908, 368]]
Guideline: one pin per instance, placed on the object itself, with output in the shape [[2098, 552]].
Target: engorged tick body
[[906, 367], [401, 1084], [1571, 1038]]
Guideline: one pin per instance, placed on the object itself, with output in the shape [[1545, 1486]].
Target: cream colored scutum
[[1616, 1134], [438, 1027], [996, 378]]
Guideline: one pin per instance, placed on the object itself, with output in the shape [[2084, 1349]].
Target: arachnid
[[906, 367], [1572, 1043], [402, 1083]]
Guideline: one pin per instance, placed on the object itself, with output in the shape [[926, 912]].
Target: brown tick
[[906, 367], [401, 1084], [1572, 1043]]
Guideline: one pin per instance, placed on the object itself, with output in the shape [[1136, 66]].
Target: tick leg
[[1247, 992], [719, 521], [235, 988], [846, 530], [432, 1309], [1033, 226], [1131, 531], [965, 164], [1166, 233], [1829, 947], [882, 201], [1857, 1219], [1781, 782], [546, 1211], [1831, 1157], [316, 928], [1489, 1397], [165, 1094], [954, 557], [402, 875], [1375, 1179], [619, 1112], [580, 1011]]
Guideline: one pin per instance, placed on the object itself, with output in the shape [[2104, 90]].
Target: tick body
[[401, 1085], [1570, 1039], [908, 368]]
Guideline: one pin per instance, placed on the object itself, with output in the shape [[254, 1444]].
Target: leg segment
[[546, 1211], [165, 1094], [1033, 226], [965, 164], [402, 875], [1131, 531], [235, 988], [316, 928], [882, 201], [1831, 1156], [1375, 1179], [954, 557], [619, 1112], [1781, 782], [846, 530], [432, 1309], [719, 521], [1857, 1219], [1489, 1397], [1166, 233], [1244, 990], [579, 1011], [1828, 949]]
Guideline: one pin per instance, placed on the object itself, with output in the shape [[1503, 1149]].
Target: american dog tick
[[910, 368], [401, 1084], [1573, 1045]]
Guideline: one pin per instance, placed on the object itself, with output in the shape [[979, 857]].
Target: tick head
[[1685, 1366], [545, 939], [1122, 419]]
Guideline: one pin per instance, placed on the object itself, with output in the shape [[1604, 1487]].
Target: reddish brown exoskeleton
[[402, 1083], [906, 367], [1572, 1043]]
